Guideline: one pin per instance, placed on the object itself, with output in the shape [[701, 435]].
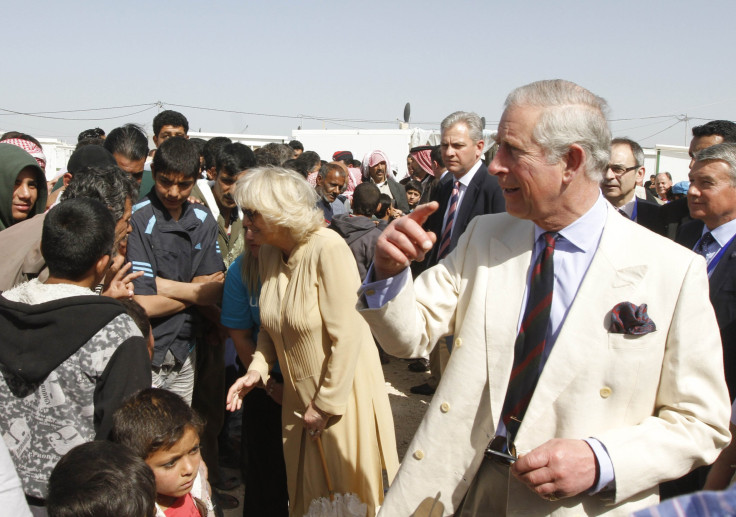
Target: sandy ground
[[408, 410]]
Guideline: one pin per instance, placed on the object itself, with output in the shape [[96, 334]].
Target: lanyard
[[718, 256]]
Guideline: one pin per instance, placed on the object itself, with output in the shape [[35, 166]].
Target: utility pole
[[686, 119]]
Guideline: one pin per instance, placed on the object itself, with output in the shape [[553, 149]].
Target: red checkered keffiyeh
[[30, 148], [374, 158], [424, 159]]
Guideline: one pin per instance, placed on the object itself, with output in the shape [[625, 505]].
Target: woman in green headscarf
[[23, 187]]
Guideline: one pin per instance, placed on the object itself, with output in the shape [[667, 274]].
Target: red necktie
[[447, 230], [531, 339]]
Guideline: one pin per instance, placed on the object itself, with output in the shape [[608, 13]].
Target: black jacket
[[722, 293], [483, 196]]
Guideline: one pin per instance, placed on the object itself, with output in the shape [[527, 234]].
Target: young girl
[[163, 430]]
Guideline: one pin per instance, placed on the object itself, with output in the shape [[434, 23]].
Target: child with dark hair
[[413, 193], [159, 427], [384, 203], [101, 479], [174, 244], [359, 230], [67, 357]]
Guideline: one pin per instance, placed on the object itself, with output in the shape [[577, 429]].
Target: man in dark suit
[[712, 202], [676, 213], [625, 170], [470, 191], [462, 147]]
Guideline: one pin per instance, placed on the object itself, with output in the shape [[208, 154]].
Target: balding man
[[581, 376], [624, 173]]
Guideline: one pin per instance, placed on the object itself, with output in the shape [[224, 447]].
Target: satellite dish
[[483, 122], [407, 112]]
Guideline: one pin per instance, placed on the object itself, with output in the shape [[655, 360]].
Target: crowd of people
[[168, 312]]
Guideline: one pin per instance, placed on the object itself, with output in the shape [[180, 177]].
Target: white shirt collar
[[468, 176]]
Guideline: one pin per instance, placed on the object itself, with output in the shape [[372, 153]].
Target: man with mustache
[[331, 183], [217, 194]]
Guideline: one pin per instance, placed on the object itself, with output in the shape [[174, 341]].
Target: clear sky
[[309, 62]]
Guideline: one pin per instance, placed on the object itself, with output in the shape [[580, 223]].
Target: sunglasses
[[250, 214], [501, 451]]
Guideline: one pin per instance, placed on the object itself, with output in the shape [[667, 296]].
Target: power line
[[76, 111], [640, 118], [665, 129], [335, 120], [298, 116], [80, 119]]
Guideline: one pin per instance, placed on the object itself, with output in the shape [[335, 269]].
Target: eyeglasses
[[250, 214], [619, 170]]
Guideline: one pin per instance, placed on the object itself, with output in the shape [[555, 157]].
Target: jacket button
[[444, 407], [418, 454], [606, 392], [370, 292], [458, 342]]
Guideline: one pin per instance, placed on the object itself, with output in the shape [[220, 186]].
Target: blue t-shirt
[[239, 306]]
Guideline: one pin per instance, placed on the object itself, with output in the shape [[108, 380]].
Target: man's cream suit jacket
[[657, 402]]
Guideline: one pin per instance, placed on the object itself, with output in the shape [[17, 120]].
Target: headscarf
[[12, 161], [374, 158], [30, 148], [342, 156], [423, 156]]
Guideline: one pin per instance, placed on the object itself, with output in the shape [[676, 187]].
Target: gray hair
[[636, 149], [570, 115], [283, 198], [331, 167], [327, 168], [107, 184], [666, 174], [470, 119], [725, 152]]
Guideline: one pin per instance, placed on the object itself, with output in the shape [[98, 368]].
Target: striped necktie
[[531, 339], [447, 230]]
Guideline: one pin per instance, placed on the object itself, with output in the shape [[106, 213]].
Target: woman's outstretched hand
[[240, 389]]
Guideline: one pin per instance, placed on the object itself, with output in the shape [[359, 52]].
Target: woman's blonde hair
[[249, 271], [283, 198]]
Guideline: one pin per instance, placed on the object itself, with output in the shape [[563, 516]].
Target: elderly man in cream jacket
[[587, 364]]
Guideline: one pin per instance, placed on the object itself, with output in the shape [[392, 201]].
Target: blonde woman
[[333, 382]]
